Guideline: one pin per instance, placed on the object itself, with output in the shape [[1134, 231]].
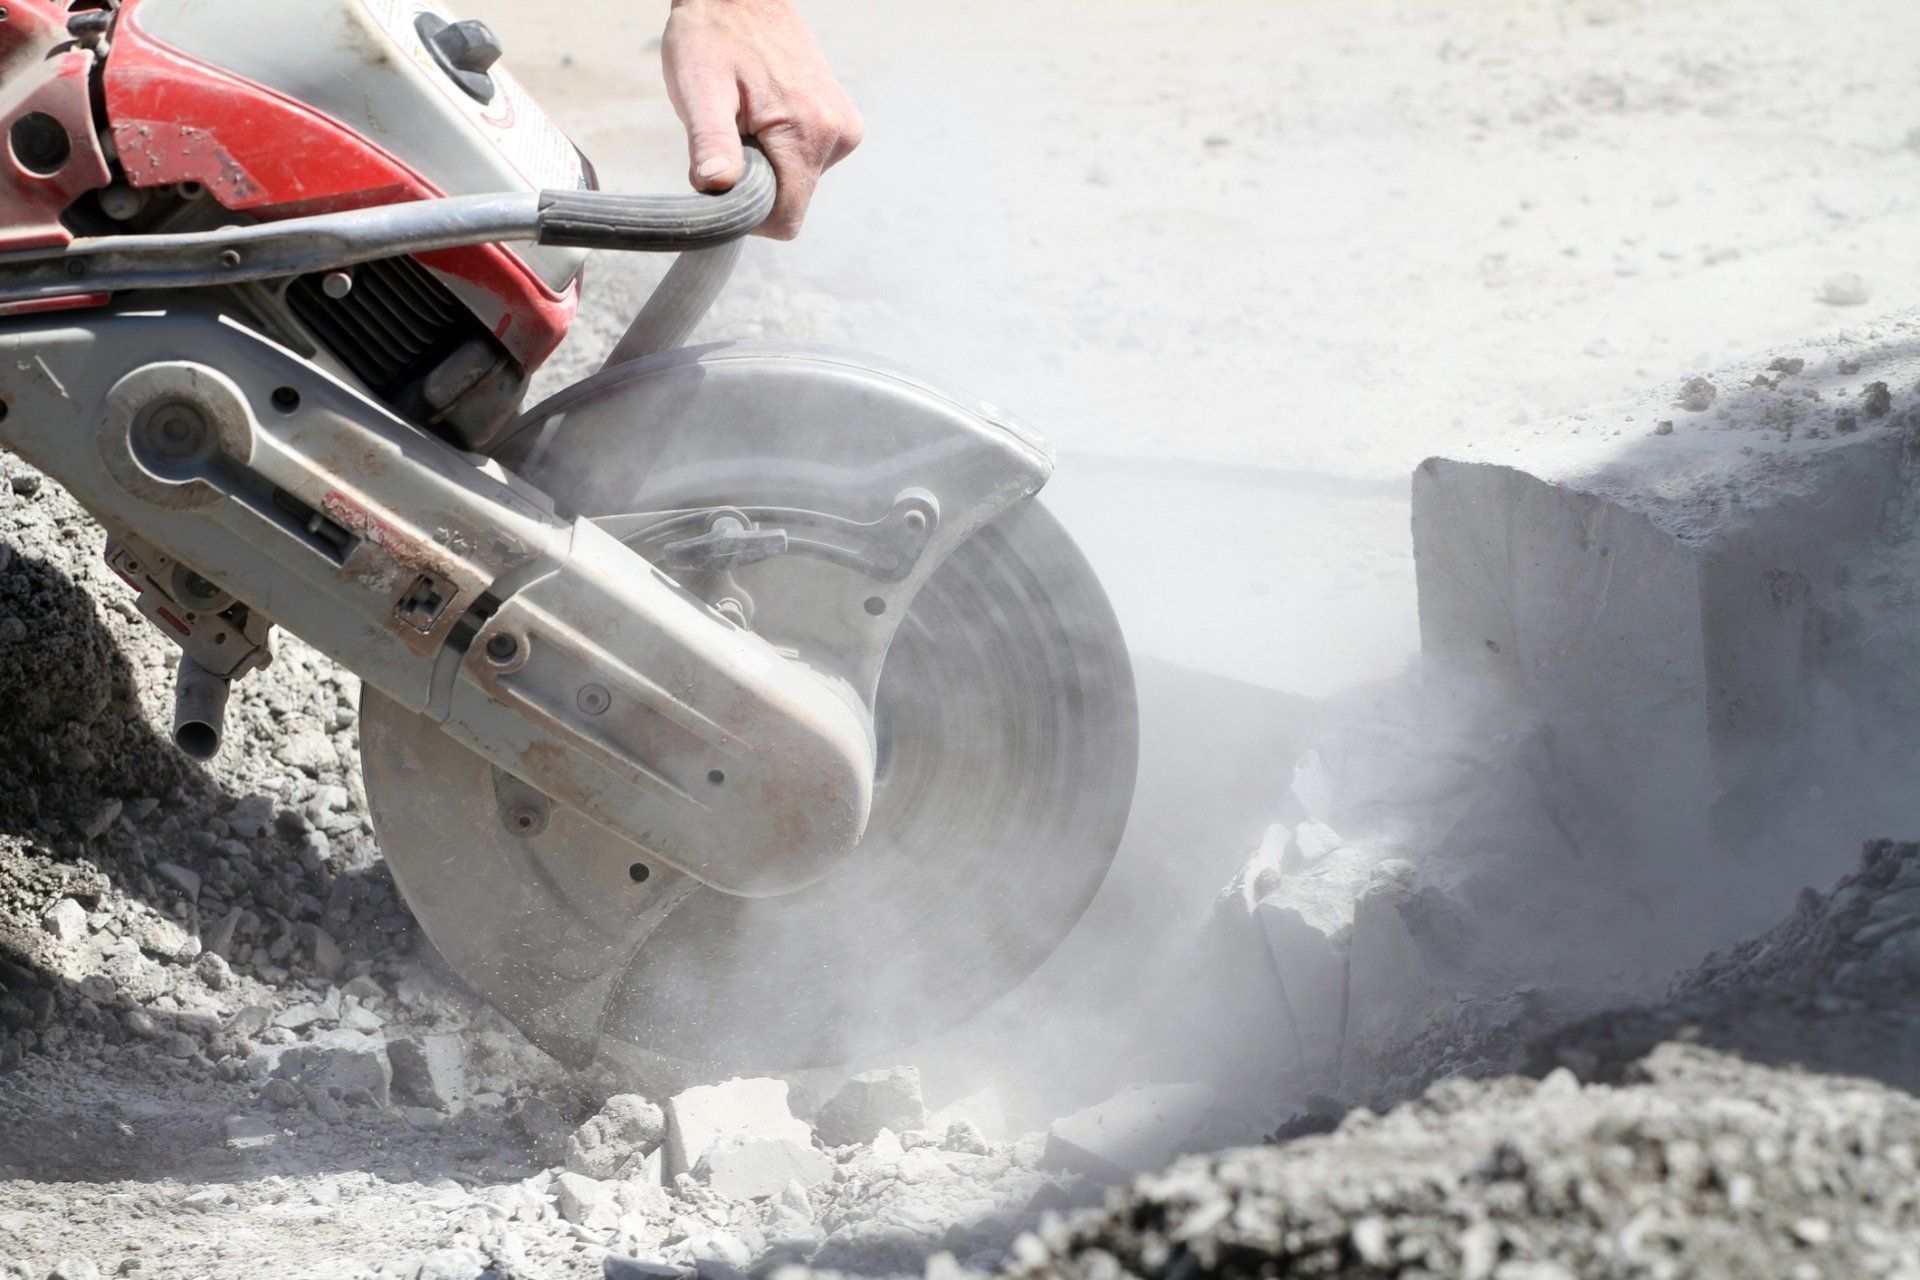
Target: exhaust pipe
[[199, 711]]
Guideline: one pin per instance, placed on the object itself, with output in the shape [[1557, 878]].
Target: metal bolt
[[502, 649], [732, 610], [916, 520], [229, 258], [76, 267], [337, 284], [594, 699], [525, 820], [177, 430]]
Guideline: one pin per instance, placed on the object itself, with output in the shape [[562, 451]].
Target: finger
[[797, 160], [709, 105], [853, 131]]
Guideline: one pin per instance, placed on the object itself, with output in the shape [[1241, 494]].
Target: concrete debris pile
[[1761, 1122]]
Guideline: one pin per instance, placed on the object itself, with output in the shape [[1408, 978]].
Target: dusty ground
[[1246, 264]]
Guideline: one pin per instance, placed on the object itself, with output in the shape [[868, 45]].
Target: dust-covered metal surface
[[1004, 722]]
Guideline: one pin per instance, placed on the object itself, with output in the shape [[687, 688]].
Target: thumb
[[711, 110]]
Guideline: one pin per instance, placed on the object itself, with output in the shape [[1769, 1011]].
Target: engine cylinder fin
[[395, 316]]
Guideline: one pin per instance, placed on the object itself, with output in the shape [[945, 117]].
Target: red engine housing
[[173, 118]]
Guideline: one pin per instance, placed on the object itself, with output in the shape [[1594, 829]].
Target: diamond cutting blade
[[1005, 717]]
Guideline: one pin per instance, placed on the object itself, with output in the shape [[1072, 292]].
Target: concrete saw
[[737, 704], [1004, 718]]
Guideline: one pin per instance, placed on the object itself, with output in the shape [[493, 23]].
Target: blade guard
[[886, 472]]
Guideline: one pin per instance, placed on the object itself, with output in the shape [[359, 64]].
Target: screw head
[[594, 699], [229, 258], [502, 649]]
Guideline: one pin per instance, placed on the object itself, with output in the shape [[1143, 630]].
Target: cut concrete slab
[[701, 1116], [1658, 580], [1137, 1130]]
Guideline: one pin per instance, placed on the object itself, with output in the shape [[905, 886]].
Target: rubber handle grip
[[656, 224]]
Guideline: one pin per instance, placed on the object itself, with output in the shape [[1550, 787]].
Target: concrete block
[[1662, 583], [625, 1129], [337, 1063], [66, 920], [870, 1102], [748, 1168], [429, 1071], [1138, 1130], [701, 1116]]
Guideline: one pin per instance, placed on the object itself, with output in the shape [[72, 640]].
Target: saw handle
[[653, 224]]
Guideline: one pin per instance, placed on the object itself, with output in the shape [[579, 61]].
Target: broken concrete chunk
[[185, 879], [429, 1071], [65, 920], [701, 1116], [626, 1126], [163, 939], [747, 1168], [586, 1202], [870, 1102], [339, 1064], [964, 1136], [1137, 1130]]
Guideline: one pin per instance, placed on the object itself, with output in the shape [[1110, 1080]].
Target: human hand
[[751, 67]]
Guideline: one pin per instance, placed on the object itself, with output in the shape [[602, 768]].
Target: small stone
[[66, 920], [1664, 427], [965, 1136], [250, 816], [325, 953], [26, 482], [430, 1071], [1697, 395], [1789, 365], [247, 1133], [182, 1045], [1847, 289], [1875, 400], [185, 879], [161, 937], [74, 1268], [104, 815], [452, 1264], [626, 1126], [870, 1102], [309, 751], [586, 1202], [213, 970]]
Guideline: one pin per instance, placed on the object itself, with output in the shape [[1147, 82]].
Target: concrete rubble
[[223, 1041]]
